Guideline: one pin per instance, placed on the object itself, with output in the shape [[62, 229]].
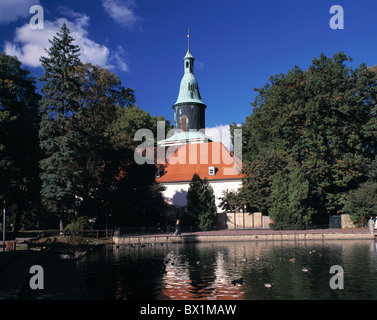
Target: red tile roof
[[182, 162]]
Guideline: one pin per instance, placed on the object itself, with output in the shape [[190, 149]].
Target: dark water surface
[[212, 271]]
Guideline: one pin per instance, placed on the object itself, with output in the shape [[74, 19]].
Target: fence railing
[[95, 233], [144, 230]]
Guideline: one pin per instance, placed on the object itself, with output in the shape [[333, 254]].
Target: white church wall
[[220, 186], [175, 193]]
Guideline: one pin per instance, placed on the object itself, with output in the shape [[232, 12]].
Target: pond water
[[213, 271]]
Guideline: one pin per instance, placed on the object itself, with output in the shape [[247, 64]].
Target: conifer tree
[[208, 212], [193, 198], [58, 133], [201, 205]]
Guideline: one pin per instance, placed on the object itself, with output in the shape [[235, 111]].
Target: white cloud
[[12, 10], [28, 44], [121, 11], [220, 133], [199, 65], [118, 60]]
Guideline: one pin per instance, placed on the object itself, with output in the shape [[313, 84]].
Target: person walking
[[178, 228]]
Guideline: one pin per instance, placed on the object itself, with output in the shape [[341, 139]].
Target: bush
[[76, 227], [361, 203]]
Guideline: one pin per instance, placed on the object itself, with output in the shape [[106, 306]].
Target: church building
[[189, 150]]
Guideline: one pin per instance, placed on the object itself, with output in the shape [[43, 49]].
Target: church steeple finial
[[188, 59], [188, 39]]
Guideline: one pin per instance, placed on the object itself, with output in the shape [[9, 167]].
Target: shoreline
[[63, 277], [249, 235]]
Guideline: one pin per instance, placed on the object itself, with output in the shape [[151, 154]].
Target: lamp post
[[4, 228], [106, 222]]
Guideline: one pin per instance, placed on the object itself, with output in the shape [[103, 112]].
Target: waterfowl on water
[[240, 281]]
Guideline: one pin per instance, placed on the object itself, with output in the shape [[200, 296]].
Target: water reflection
[[196, 273], [293, 270]]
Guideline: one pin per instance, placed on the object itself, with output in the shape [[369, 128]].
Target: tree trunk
[[61, 226]]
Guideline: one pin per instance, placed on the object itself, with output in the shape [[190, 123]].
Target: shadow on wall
[[179, 198]]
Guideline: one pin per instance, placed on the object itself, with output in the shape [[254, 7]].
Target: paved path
[[237, 232]]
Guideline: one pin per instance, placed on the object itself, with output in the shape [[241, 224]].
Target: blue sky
[[237, 44]]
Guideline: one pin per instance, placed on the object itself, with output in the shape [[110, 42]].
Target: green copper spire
[[189, 89]]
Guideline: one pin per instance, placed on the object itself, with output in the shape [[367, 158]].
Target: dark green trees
[[324, 119], [361, 203], [73, 150], [290, 203], [256, 185], [19, 150], [100, 94], [59, 134], [133, 118], [88, 166], [115, 188], [201, 205]]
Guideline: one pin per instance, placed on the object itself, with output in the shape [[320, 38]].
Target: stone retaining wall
[[227, 238]]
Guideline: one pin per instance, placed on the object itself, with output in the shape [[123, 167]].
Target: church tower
[[189, 108], [187, 150]]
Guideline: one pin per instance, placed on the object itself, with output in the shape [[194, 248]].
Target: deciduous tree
[[19, 147], [324, 118]]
